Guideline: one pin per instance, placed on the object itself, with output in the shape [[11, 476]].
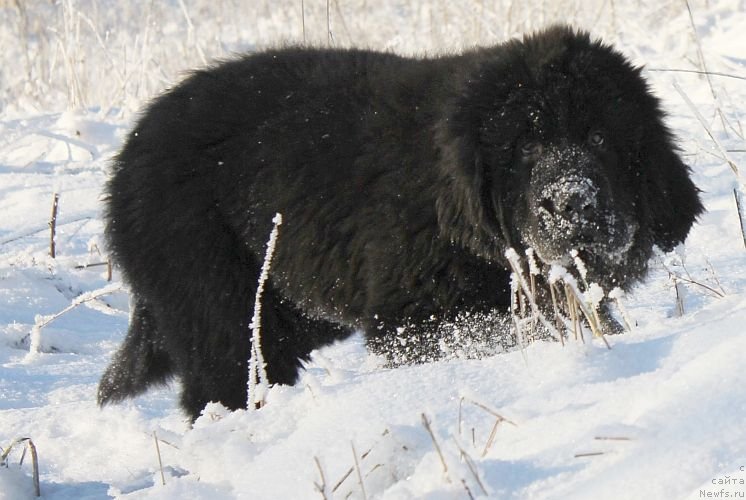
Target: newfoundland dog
[[401, 182]]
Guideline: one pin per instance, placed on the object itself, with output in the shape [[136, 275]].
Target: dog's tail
[[139, 363]]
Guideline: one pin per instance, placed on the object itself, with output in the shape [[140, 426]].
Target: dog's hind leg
[[139, 363]]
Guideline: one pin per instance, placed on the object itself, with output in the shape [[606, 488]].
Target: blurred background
[[113, 55]]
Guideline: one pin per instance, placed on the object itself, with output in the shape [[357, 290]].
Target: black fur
[[401, 182]]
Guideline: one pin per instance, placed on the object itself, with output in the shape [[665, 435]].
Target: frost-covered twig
[[723, 152], [41, 321], [515, 266], [257, 384], [587, 303], [676, 277]]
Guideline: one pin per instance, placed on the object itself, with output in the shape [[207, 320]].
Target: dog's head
[[555, 143]]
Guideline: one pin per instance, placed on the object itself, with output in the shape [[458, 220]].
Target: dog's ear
[[471, 156], [464, 205], [671, 199]]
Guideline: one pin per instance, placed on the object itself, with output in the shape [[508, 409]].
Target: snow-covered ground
[[659, 416]]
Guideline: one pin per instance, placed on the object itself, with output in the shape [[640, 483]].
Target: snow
[[660, 415]]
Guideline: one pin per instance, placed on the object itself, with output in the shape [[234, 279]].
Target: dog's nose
[[574, 200]]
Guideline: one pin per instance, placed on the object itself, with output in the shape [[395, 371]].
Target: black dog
[[401, 182]]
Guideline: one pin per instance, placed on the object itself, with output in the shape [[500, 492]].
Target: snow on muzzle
[[571, 207]]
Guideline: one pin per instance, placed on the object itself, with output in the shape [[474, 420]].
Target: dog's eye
[[596, 138], [531, 149]]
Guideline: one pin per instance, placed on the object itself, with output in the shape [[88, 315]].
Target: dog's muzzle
[[572, 208]]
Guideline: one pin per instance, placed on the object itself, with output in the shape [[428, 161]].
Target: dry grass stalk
[[160, 462], [34, 459], [573, 312], [352, 469], [303, 19], [343, 479], [321, 488], [555, 306], [676, 278], [426, 424], [489, 410], [466, 487], [697, 72], [34, 467], [472, 467], [741, 209], [498, 420], [601, 438], [359, 474], [520, 279], [53, 226], [723, 152], [703, 62], [679, 297], [589, 312], [589, 454], [460, 408], [617, 294], [578, 308]]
